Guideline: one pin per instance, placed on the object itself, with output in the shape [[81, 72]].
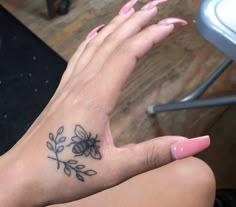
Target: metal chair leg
[[188, 101], [208, 82], [219, 101]]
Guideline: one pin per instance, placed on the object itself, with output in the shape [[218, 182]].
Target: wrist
[[17, 183]]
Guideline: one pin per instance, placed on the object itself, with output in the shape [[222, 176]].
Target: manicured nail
[[152, 4], [172, 20], [127, 7], [94, 32], [189, 147]]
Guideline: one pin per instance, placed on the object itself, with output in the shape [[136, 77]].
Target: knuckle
[[114, 22], [150, 29], [153, 159], [126, 49], [112, 38], [128, 46], [137, 14], [71, 62], [93, 44], [66, 74]]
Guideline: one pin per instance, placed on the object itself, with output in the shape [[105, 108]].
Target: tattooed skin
[[83, 145]]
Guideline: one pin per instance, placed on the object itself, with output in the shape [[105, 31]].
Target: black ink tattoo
[[56, 145], [56, 141], [71, 165], [84, 144]]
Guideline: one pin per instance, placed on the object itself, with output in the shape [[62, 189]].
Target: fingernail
[[127, 7], [152, 4], [189, 147], [94, 32], [172, 20]]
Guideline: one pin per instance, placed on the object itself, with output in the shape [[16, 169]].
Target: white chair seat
[[216, 21]]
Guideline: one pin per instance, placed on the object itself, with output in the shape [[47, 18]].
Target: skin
[[86, 96], [165, 187]]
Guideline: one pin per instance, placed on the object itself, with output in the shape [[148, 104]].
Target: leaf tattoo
[[56, 145]]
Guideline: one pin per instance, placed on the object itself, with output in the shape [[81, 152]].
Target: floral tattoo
[[83, 144]]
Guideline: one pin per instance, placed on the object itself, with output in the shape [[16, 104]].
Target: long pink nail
[[94, 32], [152, 4], [127, 7], [189, 147], [172, 20]]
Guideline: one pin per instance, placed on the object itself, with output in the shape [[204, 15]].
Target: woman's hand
[[68, 152]]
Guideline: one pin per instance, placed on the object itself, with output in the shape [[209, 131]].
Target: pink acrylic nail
[[127, 7], [172, 20], [189, 147], [150, 5], [94, 32]]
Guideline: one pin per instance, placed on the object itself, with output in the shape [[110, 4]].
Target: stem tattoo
[[83, 145]]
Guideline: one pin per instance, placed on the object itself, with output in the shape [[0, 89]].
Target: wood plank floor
[[168, 72]]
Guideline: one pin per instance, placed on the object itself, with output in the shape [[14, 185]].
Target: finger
[[72, 62], [133, 25], [136, 159], [71, 66], [101, 35], [130, 27], [74, 59], [123, 60], [77, 62]]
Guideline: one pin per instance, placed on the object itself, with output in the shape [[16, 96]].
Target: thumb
[[154, 153]]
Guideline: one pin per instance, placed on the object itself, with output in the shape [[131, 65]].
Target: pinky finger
[[74, 59]]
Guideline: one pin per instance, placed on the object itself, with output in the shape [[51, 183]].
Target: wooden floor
[[168, 72]]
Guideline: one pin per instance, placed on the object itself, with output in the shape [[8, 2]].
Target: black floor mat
[[29, 74]]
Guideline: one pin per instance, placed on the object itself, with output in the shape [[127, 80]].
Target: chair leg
[[208, 82], [51, 8], [190, 100], [219, 101]]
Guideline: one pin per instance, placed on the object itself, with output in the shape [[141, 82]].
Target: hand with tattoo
[[68, 153]]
